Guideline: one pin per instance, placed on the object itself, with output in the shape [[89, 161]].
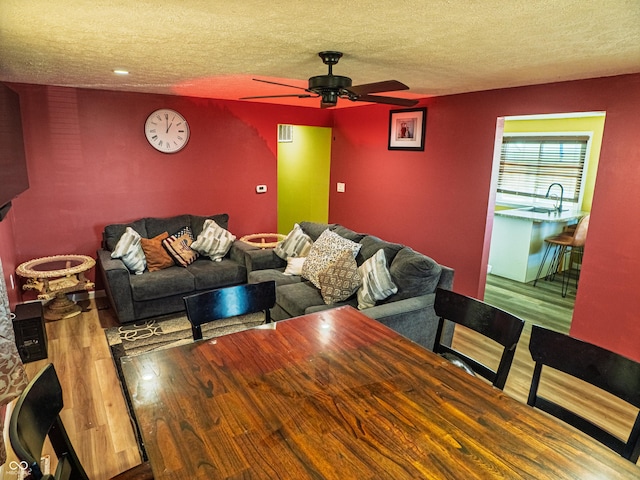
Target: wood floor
[[96, 417]]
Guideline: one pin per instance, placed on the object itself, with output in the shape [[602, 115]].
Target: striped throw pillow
[[179, 247], [214, 241], [297, 244], [129, 250], [376, 281]]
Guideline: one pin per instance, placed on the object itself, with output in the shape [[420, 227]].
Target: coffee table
[[55, 276]]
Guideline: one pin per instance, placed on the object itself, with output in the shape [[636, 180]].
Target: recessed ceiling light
[[119, 71]]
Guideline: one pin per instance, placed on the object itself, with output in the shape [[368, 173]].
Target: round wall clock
[[166, 130]]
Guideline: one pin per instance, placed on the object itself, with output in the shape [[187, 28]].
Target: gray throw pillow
[[415, 274]]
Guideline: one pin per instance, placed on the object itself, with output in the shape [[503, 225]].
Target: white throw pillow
[[325, 251], [214, 241], [129, 250], [376, 281], [296, 244], [294, 265]]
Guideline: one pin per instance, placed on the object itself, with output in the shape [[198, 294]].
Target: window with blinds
[[528, 165]]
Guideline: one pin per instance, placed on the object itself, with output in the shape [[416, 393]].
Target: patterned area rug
[[170, 331]]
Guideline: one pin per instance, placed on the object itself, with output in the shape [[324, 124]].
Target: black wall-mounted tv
[[14, 178]]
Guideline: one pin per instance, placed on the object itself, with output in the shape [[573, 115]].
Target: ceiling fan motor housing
[[328, 82]]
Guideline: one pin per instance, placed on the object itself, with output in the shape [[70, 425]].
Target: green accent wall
[[588, 124], [303, 177]]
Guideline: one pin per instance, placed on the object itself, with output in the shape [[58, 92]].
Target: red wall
[[90, 165], [439, 201]]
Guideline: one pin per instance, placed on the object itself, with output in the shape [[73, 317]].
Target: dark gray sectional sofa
[[409, 311], [135, 297]]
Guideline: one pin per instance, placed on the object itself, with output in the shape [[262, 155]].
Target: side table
[[53, 277], [260, 239]]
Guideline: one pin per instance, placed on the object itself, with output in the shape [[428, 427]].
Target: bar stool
[[566, 243]]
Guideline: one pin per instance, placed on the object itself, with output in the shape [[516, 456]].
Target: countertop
[[526, 214]]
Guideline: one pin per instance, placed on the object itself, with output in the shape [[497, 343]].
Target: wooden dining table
[[337, 395]]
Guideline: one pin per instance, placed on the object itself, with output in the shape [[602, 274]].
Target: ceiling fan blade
[[281, 84], [403, 102], [386, 86], [303, 95]]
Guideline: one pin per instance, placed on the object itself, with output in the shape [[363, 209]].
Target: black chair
[[35, 417], [228, 302], [492, 322], [602, 368]]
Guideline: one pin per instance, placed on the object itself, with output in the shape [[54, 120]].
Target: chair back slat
[[228, 302], [492, 322], [607, 370]]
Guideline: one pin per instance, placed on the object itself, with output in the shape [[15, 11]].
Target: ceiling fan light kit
[[331, 87]]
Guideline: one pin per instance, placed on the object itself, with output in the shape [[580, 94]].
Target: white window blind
[[528, 165]]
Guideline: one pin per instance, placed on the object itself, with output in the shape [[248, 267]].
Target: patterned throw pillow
[[179, 247], [323, 252], [157, 257], [376, 281], [340, 279], [129, 250], [297, 244], [214, 241]]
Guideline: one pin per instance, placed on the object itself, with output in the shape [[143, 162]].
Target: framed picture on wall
[[407, 129]]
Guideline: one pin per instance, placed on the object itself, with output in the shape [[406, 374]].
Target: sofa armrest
[[260, 259], [238, 252], [446, 278], [413, 317], [115, 276]]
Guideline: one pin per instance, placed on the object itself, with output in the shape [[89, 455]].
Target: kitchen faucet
[[559, 207]]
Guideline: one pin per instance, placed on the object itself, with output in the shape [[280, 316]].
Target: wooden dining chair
[[492, 322], [590, 363], [35, 417], [228, 302]]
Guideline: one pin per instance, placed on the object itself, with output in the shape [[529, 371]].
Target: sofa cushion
[[214, 241], [415, 274], [340, 279], [155, 226], [314, 229], [371, 244], [209, 275], [277, 275], [376, 281], [155, 254], [295, 298], [178, 246], [296, 244], [129, 249], [112, 233], [197, 222], [161, 283], [347, 233], [323, 252]]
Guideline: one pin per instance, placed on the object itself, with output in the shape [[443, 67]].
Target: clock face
[[166, 130]]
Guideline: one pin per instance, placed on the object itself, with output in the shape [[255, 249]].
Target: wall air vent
[[285, 133]]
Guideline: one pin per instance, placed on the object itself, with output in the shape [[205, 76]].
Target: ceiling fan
[[330, 87]]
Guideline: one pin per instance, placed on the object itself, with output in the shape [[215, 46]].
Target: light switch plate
[[341, 187]]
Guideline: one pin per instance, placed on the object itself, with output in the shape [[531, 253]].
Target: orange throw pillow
[[157, 256]]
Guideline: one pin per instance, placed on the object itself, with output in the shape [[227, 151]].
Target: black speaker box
[[30, 332]]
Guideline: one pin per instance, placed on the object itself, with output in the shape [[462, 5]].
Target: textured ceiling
[[212, 48]]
